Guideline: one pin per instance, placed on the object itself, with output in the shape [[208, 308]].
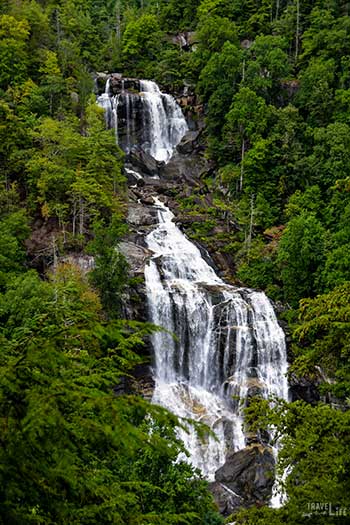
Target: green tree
[[245, 122], [330, 159], [14, 230], [315, 450], [13, 53], [322, 339], [301, 257], [267, 65], [141, 43], [316, 94], [77, 174], [52, 83], [222, 71], [110, 274], [73, 451]]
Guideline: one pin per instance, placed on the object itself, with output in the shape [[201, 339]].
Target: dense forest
[[272, 79]]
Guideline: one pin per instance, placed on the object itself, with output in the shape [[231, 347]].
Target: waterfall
[[105, 101], [162, 122], [115, 104], [221, 344], [227, 343], [165, 123]]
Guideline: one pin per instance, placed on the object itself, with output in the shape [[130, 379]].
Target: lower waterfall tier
[[220, 345]]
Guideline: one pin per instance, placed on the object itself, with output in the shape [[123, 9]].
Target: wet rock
[[254, 387], [135, 304], [133, 177], [182, 168], [226, 500], [148, 201], [186, 40], [249, 473], [188, 142], [118, 83], [305, 389], [224, 262], [130, 119], [140, 382], [143, 163], [143, 382], [100, 79]]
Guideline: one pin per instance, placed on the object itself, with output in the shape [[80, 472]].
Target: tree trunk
[[118, 21], [250, 234], [81, 216], [297, 31], [58, 26], [74, 218], [54, 253], [242, 166]]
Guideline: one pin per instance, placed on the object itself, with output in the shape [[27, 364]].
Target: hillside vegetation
[[274, 81]]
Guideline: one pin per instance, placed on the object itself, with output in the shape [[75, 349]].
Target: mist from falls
[[227, 344]]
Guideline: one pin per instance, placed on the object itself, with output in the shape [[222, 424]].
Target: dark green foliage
[[315, 449], [301, 257], [13, 54], [274, 80], [13, 232], [73, 451], [322, 339], [267, 65], [141, 43], [110, 274], [178, 15]]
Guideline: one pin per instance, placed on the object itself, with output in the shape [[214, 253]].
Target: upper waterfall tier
[[227, 343], [143, 116]]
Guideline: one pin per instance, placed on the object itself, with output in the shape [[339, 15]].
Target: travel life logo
[[326, 509]]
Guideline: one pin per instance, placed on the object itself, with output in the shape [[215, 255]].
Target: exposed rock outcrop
[[143, 162], [136, 256], [249, 475], [188, 143], [187, 40], [226, 500]]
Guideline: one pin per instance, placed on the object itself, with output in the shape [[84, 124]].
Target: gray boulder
[[226, 500], [136, 256], [140, 215], [188, 142], [142, 162], [249, 473]]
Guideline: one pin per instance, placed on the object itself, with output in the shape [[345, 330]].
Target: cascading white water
[[105, 101], [115, 104], [165, 122], [227, 342], [110, 105]]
